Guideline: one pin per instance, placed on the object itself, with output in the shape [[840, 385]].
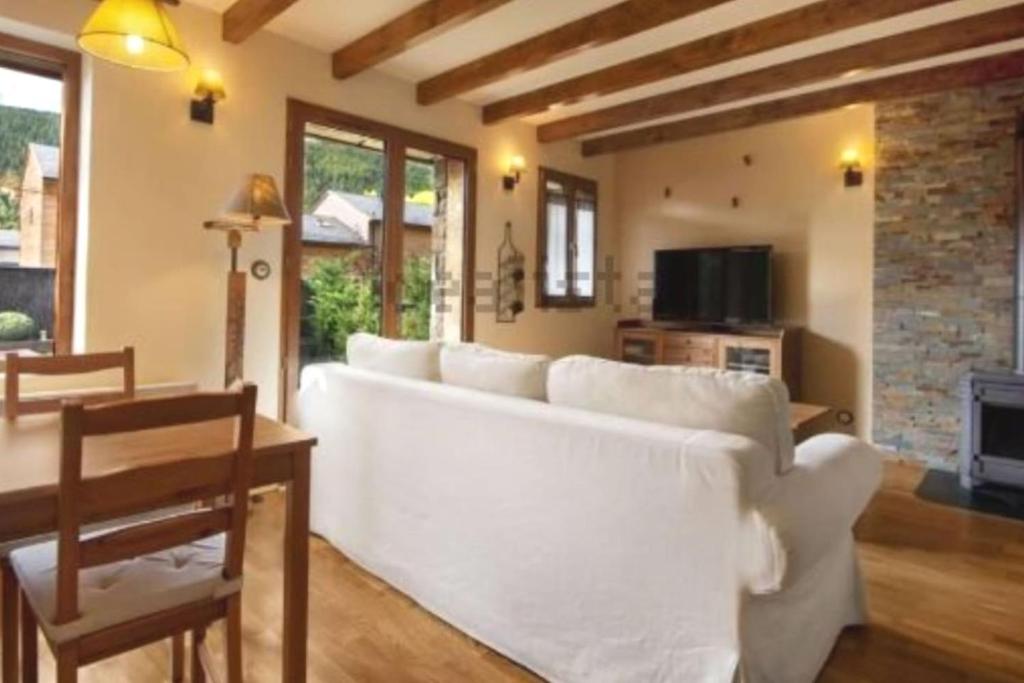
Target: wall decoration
[[511, 279], [260, 269]]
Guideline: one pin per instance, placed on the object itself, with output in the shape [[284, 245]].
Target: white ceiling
[[330, 24]]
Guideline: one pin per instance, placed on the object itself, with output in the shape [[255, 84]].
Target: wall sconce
[[209, 91], [516, 168], [853, 174]]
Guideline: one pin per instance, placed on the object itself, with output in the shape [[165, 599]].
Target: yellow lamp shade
[[850, 158], [134, 33], [210, 85]]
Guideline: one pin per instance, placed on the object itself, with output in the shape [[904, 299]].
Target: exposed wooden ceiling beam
[[962, 34], [803, 23], [937, 79], [419, 24], [245, 17], [611, 24]]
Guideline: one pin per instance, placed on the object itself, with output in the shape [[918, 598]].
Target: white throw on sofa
[[586, 546]]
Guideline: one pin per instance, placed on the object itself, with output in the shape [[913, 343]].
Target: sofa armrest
[[833, 479]]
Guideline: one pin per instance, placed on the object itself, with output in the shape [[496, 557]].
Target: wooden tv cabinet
[[769, 351]]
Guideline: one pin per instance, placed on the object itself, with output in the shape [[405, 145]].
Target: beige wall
[[792, 197], [152, 277]]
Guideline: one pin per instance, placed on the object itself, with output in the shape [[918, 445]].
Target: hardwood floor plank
[[945, 594]]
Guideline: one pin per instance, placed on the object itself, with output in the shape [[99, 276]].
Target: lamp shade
[[210, 85], [257, 204], [134, 33]]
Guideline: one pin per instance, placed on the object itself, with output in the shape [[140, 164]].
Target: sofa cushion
[[399, 357], [751, 405], [499, 372]]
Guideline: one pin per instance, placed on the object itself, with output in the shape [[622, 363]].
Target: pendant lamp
[[134, 33]]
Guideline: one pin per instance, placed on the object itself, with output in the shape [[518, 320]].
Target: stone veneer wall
[[944, 255]]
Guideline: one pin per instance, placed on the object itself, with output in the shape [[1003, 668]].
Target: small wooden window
[[566, 240]]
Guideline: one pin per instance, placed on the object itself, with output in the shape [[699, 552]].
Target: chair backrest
[[16, 365], [135, 490]]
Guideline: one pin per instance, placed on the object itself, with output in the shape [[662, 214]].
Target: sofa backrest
[[742, 403], [439, 468]]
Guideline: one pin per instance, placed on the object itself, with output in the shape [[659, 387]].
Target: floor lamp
[[257, 205]]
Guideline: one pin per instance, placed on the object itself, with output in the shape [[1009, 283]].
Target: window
[[39, 93], [385, 244], [566, 240]]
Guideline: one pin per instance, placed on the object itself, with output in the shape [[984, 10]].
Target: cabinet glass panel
[[639, 351], [748, 360]]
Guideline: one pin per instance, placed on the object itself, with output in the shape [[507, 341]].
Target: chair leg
[[198, 672], [178, 658], [234, 639], [9, 626], [29, 644], [67, 664]]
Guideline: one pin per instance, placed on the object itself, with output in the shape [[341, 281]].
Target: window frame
[[574, 185], [397, 141], [54, 62]]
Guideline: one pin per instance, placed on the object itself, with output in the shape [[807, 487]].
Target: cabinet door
[[640, 347], [747, 354]]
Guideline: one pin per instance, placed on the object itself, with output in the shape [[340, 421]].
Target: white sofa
[[585, 546]]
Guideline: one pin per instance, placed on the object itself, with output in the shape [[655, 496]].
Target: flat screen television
[[718, 286]]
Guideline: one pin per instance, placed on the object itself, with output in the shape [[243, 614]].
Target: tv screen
[[728, 285]]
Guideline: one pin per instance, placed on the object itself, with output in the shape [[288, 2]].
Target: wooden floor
[[946, 592]]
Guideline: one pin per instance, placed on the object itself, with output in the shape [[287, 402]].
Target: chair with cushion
[[16, 365], [15, 404], [107, 592]]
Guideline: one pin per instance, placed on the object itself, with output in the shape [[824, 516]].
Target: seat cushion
[[742, 403], [10, 546], [122, 591], [398, 357], [498, 372]]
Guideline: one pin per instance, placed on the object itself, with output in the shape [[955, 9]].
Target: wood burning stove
[[992, 443], [992, 438]]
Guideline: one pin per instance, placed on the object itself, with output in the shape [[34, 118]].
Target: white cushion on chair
[[10, 546], [120, 592], [150, 515]]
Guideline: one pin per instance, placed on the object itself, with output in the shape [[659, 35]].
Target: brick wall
[[944, 242]]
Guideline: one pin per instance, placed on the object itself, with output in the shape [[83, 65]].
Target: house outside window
[[39, 87], [566, 240]]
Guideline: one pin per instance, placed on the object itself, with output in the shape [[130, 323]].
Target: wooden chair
[[113, 591], [15, 366]]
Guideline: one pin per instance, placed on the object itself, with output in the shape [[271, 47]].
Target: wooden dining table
[[29, 467]]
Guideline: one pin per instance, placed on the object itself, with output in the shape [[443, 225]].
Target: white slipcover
[[398, 357], [589, 547], [744, 403], [475, 366]]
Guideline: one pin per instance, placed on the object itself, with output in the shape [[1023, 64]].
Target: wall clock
[[260, 269]]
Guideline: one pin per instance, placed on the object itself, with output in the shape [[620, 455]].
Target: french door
[[381, 239]]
